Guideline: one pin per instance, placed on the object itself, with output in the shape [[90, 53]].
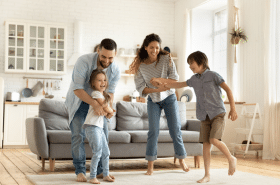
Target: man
[[78, 99]]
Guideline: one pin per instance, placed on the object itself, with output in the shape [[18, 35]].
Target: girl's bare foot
[[150, 168], [100, 176], [232, 165], [108, 178], [81, 177], [204, 179], [183, 165], [94, 181]]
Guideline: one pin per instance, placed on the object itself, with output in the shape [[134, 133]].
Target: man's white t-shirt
[[91, 118]]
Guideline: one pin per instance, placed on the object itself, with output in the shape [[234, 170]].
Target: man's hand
[[232, 115], [98, 110], [109, 115]]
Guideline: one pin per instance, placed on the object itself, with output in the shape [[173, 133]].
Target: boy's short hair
[[200, 58]]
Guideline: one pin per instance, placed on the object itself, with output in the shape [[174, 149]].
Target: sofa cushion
[[119, 137], [64, 137], [134, 116], [164, 136], [54, 114]]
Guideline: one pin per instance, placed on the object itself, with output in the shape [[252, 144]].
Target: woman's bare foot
[[150, 168], [94, 181], [204, 179], [81, 177], [183, 165], [108, 178], [100, 176], [232, 165]]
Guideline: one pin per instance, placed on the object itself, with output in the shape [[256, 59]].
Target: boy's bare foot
[[232, 165], [81, 177], [100, 176], [108, 178], [94, 181], [183, 165], [204, 179]]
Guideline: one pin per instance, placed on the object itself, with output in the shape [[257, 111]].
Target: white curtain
[[271, 141]]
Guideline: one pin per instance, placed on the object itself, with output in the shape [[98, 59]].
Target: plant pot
[[235, 40]]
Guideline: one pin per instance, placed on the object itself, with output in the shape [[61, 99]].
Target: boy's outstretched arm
[[232, 114], [169, 83]]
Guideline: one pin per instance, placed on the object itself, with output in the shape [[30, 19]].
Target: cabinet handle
[[15, 105]]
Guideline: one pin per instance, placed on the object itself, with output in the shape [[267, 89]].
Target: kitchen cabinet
[[35, 47], [14, 123]]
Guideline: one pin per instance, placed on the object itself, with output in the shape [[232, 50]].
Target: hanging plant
[[237, 35]]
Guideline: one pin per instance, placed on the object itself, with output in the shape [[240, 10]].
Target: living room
[[184, 26]]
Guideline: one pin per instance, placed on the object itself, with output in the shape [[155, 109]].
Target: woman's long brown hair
[[142, 54], [92, 78]]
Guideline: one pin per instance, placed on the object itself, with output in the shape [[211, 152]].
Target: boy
[[210, 108]]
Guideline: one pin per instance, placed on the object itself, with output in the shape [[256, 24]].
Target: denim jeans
[[171, 110], [78, 137], [99, 146]]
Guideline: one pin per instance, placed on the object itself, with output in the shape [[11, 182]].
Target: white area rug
[[171, 177]]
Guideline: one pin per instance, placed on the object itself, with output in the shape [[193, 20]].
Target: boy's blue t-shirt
[[208, 94]]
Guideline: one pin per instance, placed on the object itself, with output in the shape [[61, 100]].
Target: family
[[91, 93]]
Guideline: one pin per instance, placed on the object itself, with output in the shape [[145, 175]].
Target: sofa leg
[[52, 163], [197, 161], [43, 164]]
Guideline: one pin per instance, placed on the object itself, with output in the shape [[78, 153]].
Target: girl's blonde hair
[[142, 54], [93, 77]]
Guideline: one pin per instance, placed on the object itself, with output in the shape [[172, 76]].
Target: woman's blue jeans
[[99, 145], [78, 137], [171, 109]]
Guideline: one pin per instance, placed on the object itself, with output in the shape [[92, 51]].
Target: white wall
[[125, 21]]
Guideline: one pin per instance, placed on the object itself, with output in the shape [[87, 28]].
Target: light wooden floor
[[15, 164]]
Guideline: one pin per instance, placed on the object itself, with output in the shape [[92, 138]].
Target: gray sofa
[[49, 136]]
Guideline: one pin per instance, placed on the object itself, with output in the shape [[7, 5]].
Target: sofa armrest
[[36, 134], [193, 125]]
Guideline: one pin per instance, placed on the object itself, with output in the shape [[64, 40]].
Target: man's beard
[[102, 65]]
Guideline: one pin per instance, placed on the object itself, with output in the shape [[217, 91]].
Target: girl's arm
[[232, 113], [105, 106]]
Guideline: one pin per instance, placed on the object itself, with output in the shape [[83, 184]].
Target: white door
[[1, 109], [14, 124]]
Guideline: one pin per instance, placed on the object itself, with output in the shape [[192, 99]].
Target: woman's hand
[[156, 82], [162, 87]]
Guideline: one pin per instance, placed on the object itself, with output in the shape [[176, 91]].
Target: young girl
[[151, 61], [94, 127], [209, 108]]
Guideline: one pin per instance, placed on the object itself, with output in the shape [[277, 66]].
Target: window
[[219, 62]]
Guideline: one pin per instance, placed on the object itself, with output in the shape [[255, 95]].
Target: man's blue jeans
[[171, 110], [78, 137], [99, 146]]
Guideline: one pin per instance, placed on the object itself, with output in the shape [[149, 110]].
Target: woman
[[153, 62]]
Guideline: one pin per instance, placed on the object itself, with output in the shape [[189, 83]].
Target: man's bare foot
[[94, 181], [150, 168], [81, 177], [232, 165], [109, 179], [183, 165], [204, 179], [100, 176]]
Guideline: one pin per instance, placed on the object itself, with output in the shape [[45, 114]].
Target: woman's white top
[[91, 118], [162, 70]]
